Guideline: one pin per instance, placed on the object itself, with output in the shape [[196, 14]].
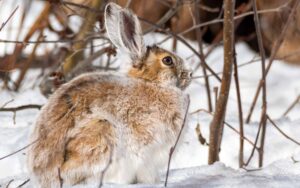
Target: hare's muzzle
[[184, 78]]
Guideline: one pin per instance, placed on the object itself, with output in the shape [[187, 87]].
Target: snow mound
[[283, 173]]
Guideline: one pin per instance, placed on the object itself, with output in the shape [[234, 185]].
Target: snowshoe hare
[[124, 125]]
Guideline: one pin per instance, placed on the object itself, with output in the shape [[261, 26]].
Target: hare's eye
[[167, 60]]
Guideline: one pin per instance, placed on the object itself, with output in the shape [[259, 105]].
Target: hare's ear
[[124, 30]]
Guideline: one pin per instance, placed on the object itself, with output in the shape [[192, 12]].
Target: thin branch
[[176, 142], [8, 184], [284, 134], [291, 106], [10, 16], [255, 146], [51, 41], [19, 108], [199, 35], [263, 125], [19, 150], [239, 66], [239, 102], [244, 137], [6, 103], [263, 80], [22, 184]]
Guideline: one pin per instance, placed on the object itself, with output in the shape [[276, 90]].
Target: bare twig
[[172, 149], [243, 137], [6, 103], [263, 125], [263, 81], [19, 108], [10, 16], [291, 106], [239, 102], [284, 134], [24, 107], [255, 146], [10, 181], [52, 41], [219, 73], [22, 184], [216, 89], [19, 150], [202, 59]]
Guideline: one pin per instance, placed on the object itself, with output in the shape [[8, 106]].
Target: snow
[[189, 166], [282, 173]]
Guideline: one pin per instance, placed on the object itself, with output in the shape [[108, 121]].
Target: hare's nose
[[189, 74], [186, 74]]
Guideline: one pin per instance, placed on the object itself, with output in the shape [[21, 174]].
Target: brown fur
[[152, 63], [94, 142]]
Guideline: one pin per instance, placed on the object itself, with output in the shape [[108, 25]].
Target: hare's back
[[112, 88], [117, 95]]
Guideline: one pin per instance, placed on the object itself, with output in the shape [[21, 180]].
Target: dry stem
[[172, 149], [216, 126]]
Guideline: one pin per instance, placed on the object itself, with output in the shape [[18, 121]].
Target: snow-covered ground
[[281, 174], [189, 166]]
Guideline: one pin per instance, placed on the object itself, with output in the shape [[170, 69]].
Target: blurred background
[[44, 44]]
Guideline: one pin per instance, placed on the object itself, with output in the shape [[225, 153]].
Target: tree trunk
[[216, 126]]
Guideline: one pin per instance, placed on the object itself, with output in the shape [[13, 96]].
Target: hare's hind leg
[[88, 151]]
